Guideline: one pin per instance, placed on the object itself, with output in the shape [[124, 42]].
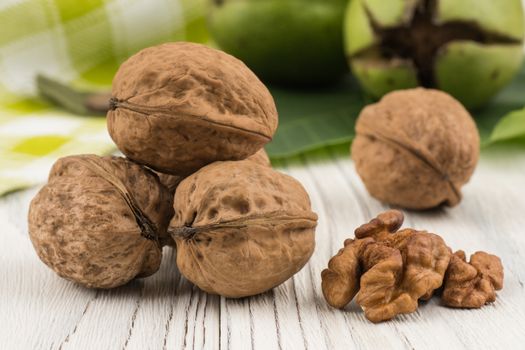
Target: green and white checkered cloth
[[82, 42]]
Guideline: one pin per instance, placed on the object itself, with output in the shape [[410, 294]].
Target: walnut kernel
[[474, 284], [389, 270]]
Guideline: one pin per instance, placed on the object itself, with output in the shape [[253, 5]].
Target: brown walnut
[[241, 228], [474, 284], [179, 106], [172, 181], [389, 270], [100, 221], [416, 148], [261, 157]]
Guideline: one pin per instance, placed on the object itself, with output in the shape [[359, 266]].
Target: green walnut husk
[[286, 42], [470, 48]]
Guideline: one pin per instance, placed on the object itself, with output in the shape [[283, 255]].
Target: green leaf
[[493, 116], [72, 99], [511, 126], [310, 120], [315, 118]]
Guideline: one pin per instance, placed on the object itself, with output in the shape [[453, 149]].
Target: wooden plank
[[339, 215], [41, 311], [477, 224]]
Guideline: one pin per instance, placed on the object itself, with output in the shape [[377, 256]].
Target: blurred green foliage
[[310, 120]]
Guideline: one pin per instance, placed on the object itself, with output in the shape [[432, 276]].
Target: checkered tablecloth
[[81, 42]]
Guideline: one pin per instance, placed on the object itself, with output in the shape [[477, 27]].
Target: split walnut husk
[[241, 228], [100, 221], [179, 106], [470, 49]]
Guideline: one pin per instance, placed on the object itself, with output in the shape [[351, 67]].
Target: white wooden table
[[38, 310]]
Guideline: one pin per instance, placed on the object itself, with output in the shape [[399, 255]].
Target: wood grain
[[38, 310]]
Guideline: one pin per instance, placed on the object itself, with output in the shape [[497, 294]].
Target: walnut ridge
[[241, 228], [179, 106], [390, 270], [100, 221], [416, 148]]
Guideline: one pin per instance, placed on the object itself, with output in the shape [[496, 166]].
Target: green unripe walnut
[[290, 42], [470, 48]]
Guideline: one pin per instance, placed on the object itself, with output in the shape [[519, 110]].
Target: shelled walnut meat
[[241, 228], [416, 148], [179, 106], [100, 221], [390, 270], [472, 285]]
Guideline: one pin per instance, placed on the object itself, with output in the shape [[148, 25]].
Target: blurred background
[[323, 60]]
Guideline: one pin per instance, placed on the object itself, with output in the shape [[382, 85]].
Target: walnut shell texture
[[99, 221], [416, 148], [261, 157], [241, 228], [170, 181], [179, 106]]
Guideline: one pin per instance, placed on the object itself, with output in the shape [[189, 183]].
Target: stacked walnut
[[390, 270], [192, 122]]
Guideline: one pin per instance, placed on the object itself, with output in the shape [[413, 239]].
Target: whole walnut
[[179, 106], [241, 228], [100, 221], [416, 148]]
